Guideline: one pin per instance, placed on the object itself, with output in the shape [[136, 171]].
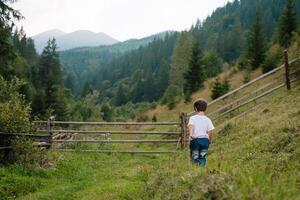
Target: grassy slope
[[255, 157]]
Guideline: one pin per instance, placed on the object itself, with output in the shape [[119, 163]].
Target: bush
[[219, 88], [28, 155], [246, 76], [170, 96], [271, 62], [15, 118], [14, 113]]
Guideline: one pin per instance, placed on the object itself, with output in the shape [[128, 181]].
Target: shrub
[[271, 62], [246, 76], [219, 88], [14, 113], [28, 155], [154, 118]]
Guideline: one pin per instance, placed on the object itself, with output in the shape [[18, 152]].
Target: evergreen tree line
[[167, 69]]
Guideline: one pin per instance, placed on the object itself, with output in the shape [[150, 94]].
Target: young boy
[[200, 128]]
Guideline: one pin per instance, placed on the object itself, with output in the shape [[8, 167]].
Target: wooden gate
[[68, 135]]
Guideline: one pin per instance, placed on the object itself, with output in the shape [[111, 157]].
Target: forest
[[121, 81]]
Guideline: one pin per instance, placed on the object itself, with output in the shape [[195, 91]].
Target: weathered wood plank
[[250, 100], [118, 141], [242, 98], [108, 123], [115, 132], [119, 151], [247, 84]]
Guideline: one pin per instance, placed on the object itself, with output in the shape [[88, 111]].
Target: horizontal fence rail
[[61, 135], [118, 151], [247, 84], [115, 132], [250, 100], [108, 123], [118, 141]]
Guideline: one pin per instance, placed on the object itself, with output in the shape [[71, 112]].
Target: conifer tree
[[194, 77], [287, 24], [50, 83], [7, 50], [256, 49]]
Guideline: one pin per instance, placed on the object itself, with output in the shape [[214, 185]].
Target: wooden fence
[[247, 97], [60, 130], [60, 134]]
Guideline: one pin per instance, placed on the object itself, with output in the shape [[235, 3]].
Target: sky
[[121, 19]]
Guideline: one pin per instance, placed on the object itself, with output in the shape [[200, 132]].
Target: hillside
[[80, 38], [246, 160], [221, 40]]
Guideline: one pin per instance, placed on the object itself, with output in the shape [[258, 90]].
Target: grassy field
[[254, 157]]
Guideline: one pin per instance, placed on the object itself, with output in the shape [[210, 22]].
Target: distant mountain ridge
[[80, 38]]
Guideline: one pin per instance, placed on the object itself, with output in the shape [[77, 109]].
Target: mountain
[[84, 63], [80, 38]]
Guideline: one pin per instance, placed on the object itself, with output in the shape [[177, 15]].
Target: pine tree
[[107, 112], [50, 83], [287, 24], [219, 88], [87, 89], [180, 60], [256, 49], [7, 50], [120, 97], [194, 77]]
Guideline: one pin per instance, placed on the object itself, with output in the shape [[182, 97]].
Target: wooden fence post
[[287, 71], [185, 129], [183, 122], [49, 130]]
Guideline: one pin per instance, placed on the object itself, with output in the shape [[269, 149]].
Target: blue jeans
[[198, 148]]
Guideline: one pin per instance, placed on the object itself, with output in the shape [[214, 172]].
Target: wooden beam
[[118, 141], [108, 123], [119, 151], [247, 84], [243, 97], [115, 132], [250, 100], [5, 148], [24, 135]]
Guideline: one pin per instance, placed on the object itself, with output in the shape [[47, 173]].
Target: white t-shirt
[[201, 125]]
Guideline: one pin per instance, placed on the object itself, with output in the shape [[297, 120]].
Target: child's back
[[200, 127]]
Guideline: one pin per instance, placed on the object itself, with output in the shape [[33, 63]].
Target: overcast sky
[[121, 19]]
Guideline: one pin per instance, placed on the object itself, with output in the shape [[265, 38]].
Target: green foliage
[[194, 76], [180, 60], [7, 50], [107, 112], [86, 108], [246, 76], [271, 62], [171, 96], [50, 89], [87, 89], [14, 113], [219, 88], [154, 118], [28, 155], [256, 48], [287, 24], [212, 64]]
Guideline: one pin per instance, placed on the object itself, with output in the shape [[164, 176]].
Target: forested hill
[[226, 29], [83, 63], [123, 80], [221, 39]]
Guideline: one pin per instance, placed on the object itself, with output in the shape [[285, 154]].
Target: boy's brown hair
[[200, 105]]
